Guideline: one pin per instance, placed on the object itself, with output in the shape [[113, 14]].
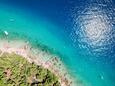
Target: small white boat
[[102, 77], [6, 33]]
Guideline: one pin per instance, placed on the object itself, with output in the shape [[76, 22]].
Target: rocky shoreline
[[51, 62]]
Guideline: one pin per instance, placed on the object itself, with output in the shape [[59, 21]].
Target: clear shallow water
[[82, 31]]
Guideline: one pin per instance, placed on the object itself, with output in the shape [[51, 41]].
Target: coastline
[[39, 57]]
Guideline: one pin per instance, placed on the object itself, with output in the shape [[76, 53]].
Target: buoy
[[6, 33]]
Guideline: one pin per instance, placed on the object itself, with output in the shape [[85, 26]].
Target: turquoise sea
[[82, 33]]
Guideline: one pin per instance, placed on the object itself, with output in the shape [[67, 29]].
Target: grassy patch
[[17, 71]]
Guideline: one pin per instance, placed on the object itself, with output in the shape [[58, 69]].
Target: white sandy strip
[[38, 57]]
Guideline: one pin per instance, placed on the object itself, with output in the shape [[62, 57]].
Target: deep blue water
[[84, 32]]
